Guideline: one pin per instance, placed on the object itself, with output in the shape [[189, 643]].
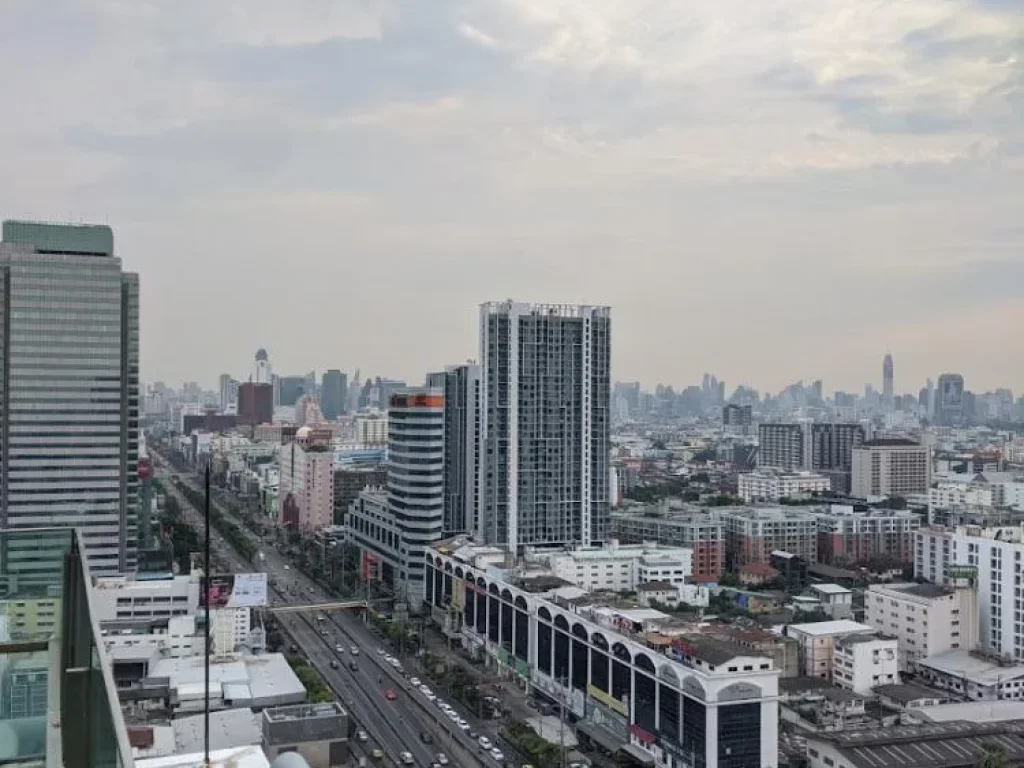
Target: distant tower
[[261, 372], [887, 390]]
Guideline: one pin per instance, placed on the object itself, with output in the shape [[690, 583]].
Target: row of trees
[[541, 753], [316, 690], [231, 533]]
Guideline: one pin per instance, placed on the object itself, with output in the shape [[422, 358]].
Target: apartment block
[[816, 641], [780, 446], [306, 483], [863, 661], [701, 532], [891, 467], [926, 619], [772, 484], [751, 535], [846, 537]]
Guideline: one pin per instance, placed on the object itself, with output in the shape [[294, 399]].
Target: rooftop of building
[[236, 757], [925, 590], [655, 586], [758, 569], [768, 513], [254, 680], [974, 667], [710, 650], [889, 442], [972, 711], [949, 745], [837, 627], [860, 638], [304, 712], [906, 693], [831, 589]]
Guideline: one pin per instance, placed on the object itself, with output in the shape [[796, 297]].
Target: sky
[[769, 191]]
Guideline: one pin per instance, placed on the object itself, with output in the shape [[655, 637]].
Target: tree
[[993, 756]]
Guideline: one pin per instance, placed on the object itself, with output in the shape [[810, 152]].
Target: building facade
[[773, 484], [780, 446], [891, 467], [863, 661], [701, 532], [349, 482], [69, 388], [545, 421], [255, 403], [703, 702], [751, 535], [949, 400], [846, 537], [305, 484], [461, 387], [333, 393], [926, 619]]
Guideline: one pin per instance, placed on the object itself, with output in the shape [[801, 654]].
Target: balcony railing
[[60, 707]]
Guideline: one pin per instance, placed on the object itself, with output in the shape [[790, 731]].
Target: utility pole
[[206, 645]]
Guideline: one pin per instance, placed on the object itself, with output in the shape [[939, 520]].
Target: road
[[395, 726]]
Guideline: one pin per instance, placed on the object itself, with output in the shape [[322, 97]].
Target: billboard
[[234, 590]]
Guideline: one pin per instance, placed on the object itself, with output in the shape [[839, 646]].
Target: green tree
[[993, 756]]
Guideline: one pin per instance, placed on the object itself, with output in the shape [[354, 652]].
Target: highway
[[394, 726]]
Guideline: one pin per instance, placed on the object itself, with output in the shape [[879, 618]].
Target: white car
[[431, 697], [362, 735], [442, 758], [415, 681], [497, 754], [381, 652], [338, 649], [406, 758], [461, 722], [453, 715], [485, 742]]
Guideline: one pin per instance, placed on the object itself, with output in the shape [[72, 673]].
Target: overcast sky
[[765, 189]]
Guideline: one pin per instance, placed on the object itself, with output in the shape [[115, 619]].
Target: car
[[406, 758], [338, 649], [415, 681], [461, 722], [354, 650], [334, 663], [390, 694], [381, 652], [431, 697], [287, 567], [426, 737], [453, 715], [377, 753], [472, 734], [442, 758], [353, 666], [362, 735], [497, 754], [425, 689], [485, 742]]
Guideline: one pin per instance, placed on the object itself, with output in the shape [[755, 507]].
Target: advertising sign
[[234, 590]]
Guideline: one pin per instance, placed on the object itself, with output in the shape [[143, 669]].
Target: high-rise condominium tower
[[461, 387], [69, 389], [544, 432], [333, 393], [887, 388]]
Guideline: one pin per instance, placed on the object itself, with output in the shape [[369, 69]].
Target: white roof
[[238, 757], [229, 728], [831, 589], [268, 678], [840, 627], [974, 711], [960, 663]]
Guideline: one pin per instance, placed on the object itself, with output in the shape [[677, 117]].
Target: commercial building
[[318, 732], [619, 567], [949, 401], [701, 532], [696, 701], [255, 403], [415, 485], [991, 560], [69, 398], [290, 388], [974, 675], [56, 708], [333, 393], [306, 483], [737, 415], [863, 661], [460, 385], [349, 482], [545, 420], [774, 484], [926, 619], [847, 537], [371, 427], [228, 392], [817, 641], [262, 373], [891, 467], [751, 535]]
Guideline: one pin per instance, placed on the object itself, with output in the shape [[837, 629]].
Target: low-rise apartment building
[[817, 640], [890, 467], [846, 537], [771, 485], [701, 532], [864, 660], [752, 534]]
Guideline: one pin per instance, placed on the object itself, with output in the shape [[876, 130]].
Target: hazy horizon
[[768, 192]]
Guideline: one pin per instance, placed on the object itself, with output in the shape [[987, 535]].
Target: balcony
[[59, 706]]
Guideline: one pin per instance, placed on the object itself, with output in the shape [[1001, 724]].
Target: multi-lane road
[[395, 726]]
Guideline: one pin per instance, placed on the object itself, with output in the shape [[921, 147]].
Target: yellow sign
[[607, 699]]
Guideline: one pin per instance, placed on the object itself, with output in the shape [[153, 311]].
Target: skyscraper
[[262, 373], [69, 389], [887, 390], [544, 431], [333, 394], [461, 387], [949, 400]]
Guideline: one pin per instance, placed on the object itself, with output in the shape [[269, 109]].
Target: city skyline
[[719, 176]]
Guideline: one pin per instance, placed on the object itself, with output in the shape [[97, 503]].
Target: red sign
[[644, 737]]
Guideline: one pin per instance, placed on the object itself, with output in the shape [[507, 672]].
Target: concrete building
[[887, 381], [255, 403], [990, 559], [817, 642], [318, 732], [751, 535], [262, 373], [307, 412], [701, 532], [846, 537], [697, 696], [949, 401], [974, 675], [926, 619], [333, 394], [780, 446], [737, 415], [305, 484], [865, 660], [621, 567], [371, 427], [349, 482], [981, 491], [545, 421], [835, 600], [773, 484], [830, 451], [416, 479], [891, 467], [69, 400], [460, 385], [228, 393]]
